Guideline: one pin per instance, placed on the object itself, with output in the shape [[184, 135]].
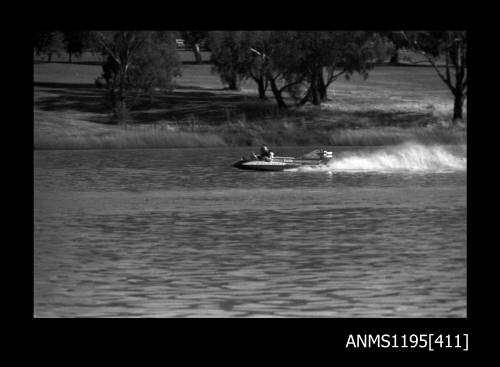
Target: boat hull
[[315, 158], [264, 165], [275, 165]]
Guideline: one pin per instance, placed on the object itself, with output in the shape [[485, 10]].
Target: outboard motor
[[325, 155]]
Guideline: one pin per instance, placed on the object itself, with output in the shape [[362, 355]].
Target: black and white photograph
[[250, 174]]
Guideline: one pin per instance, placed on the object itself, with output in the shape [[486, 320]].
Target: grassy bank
[[81, 134], [395, 104], [60, 132]]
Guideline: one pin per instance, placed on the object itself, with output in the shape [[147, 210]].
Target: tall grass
[[242, 135], [285, 133], [395, 135], [122, 139], [65, 132]]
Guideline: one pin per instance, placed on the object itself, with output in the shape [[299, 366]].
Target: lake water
[[381, 232]]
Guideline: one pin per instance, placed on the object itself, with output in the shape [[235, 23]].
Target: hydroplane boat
[[275, 163]]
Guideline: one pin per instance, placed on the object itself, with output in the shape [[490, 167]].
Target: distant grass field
[[185, 56], [394, 104]]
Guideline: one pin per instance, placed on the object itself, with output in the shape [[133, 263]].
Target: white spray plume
[[405, 157]]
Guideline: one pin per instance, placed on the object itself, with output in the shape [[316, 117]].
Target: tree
[[304, 64], [194, 39], [397, 41], [75, 42], [326, 55], [230, 53], [48, 43], [257, 61], [136, 62], [257, 71], [239, 55], [452, 45], [278, 56], [256, 55]]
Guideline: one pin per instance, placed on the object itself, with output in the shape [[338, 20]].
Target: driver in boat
[[265, 153]]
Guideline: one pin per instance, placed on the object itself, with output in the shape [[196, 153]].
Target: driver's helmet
[[264, 149]]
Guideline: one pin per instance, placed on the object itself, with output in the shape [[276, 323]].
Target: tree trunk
[[315, 98], [458, 106], [197, 53], [395, 57], [233, 82], [49, 57], [261, 86], [69, 57], [317, 91], [122, 110], [122, 107], [112, 97], [277, 93], [322, 89], [306, 97]]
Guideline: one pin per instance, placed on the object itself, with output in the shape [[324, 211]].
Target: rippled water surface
[[179, 232]]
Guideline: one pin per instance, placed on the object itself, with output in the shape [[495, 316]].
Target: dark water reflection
[[181, 233]]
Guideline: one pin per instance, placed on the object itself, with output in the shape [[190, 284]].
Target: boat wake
[[405, 157]]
